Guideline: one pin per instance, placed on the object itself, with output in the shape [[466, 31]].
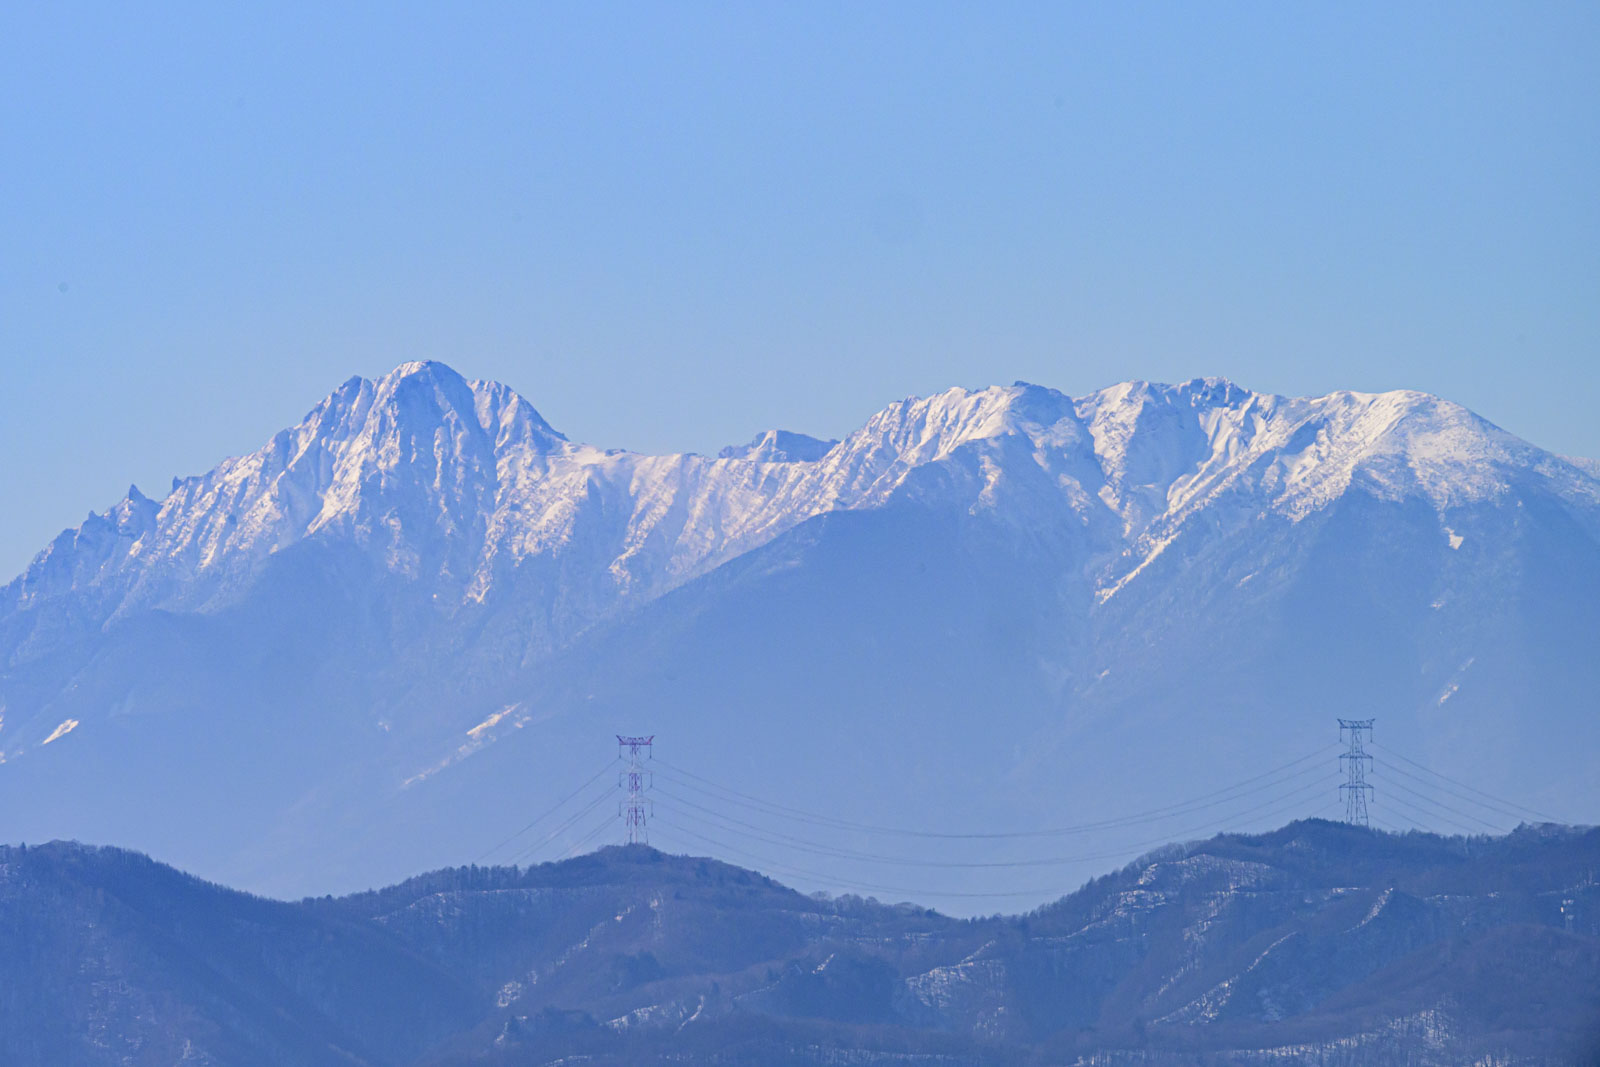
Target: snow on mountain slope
[[1590, 467], [424, 568]]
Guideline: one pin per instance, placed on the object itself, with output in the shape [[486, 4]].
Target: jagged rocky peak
[[1156, 409], [1130, 426], [923, 429], [135, 513], [423, 395], [1212, 392], [946, 420], [1038, 404], [780, 446]]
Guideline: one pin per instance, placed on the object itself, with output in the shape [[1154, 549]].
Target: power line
[[1154, 814], [717, 822], [1488, 796], [1298, 800], [587, 839], [1458, 795], [564, 827], [796, 872], [545, 815], [1425, 819], [1171, 812], [1177, 808], [1443, 807], [1422, 820], [845, 852], [782, 868], [782, 840]]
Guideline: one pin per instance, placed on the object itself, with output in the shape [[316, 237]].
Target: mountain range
[[1315, 945], [404, 626]]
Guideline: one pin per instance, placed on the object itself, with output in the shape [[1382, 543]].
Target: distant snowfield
[[424, 584]]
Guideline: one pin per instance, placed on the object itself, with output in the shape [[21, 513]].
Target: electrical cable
[[1119, 853], [717, 821], [1458, 795], [1442, 806], [686, 779], [541, 818], [1425, 820], [1472, 788], [1154, 814], [1173, 812], [782, 868], [584, 841], [782, 840], [564, 827]]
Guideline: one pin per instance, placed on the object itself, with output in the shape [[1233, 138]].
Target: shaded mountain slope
[[111, 958]]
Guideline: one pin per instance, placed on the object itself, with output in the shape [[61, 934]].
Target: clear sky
[[673, 225]]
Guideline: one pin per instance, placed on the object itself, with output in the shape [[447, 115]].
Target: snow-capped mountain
[[423, 576], [456, 483]]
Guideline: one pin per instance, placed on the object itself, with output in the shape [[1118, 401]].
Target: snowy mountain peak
[[427, 394], [423, 368], [779, 446]]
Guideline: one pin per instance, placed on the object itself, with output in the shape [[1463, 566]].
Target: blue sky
[[673, 225]]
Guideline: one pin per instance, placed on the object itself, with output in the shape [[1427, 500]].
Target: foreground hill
[[369, 646], [1315, 944]]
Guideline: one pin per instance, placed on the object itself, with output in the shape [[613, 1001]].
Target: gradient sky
[[673, 225]]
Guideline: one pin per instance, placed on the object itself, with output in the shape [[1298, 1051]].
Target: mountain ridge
[[1311, 944], [270, 509], [419, 596]]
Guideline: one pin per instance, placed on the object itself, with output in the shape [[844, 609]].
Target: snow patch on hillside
[[61, 731]]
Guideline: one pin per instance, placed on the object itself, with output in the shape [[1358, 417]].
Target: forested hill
[[1318, 943]]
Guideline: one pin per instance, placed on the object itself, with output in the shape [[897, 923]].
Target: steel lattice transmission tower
[[635, 817], [1356, 761]]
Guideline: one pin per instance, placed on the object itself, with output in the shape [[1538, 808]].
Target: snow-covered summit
[[779, 446]]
